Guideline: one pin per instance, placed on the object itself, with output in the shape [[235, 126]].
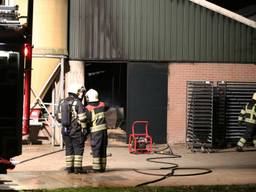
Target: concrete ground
[[42, 167]]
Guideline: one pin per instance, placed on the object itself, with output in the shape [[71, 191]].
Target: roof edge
[[225, 12]]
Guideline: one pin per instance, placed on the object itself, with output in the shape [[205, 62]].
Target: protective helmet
[[92, 95], [76, 88], [254, 96]]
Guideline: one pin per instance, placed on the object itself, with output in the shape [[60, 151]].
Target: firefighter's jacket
[[96, 116], [99, 137], [78, 117], [248, 113]]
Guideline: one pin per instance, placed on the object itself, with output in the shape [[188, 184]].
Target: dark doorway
[[109, 79], [147, 97], [139, 89]]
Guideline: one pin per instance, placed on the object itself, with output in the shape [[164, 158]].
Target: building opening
[[109, 79], [135, 91]]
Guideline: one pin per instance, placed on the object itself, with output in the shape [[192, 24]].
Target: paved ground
[[42, 167]]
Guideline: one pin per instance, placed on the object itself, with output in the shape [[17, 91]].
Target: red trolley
[[140, 142]]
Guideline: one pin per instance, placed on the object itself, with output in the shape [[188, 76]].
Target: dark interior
[[109, 79]]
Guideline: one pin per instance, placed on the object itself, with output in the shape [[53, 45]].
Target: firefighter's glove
[[85, 132]]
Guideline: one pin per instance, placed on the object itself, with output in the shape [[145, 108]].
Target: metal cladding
[[157, 30]]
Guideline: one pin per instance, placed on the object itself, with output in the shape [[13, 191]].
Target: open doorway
[[136, 90], [109, 79]]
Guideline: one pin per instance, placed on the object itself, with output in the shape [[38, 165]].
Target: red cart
[[140, 142]]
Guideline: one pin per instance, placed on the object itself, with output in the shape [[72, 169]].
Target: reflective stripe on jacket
[[98, 120], [248, 114]]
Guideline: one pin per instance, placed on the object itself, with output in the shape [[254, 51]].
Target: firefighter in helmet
[[98, 130], [248, 116], [72, 117]]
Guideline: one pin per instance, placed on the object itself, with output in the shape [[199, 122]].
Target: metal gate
[[232, 97], [199, 114]]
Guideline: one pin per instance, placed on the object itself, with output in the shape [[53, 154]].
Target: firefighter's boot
[[240, 144], [78, 165], [79, 170], [69, 170], [69, 164], [99, 164], [239, 149], [254, 142]]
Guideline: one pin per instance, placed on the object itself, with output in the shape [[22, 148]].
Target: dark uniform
[[74, 135], [248, 116], [99, 136]]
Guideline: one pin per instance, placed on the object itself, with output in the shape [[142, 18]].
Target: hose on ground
[[173, 167], [39, 156]]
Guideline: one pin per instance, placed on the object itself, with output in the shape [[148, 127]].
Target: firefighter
[[72, 116], [248, 116], [98, 130]]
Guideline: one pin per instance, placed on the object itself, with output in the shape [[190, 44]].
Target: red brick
[[179, 74]]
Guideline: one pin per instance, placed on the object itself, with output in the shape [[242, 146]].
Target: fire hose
[[173, 167], [39, 156], [46, 154]]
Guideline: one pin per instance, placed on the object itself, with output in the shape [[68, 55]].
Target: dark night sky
[[238, 6], [233, 4]]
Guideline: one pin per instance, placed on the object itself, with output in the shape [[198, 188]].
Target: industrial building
[[139, 55]]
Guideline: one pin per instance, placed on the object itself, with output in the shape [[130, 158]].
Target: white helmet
[[76, 88], [92, 95], [254, 96]]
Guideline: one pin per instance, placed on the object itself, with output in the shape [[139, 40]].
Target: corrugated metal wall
[[158, 30]]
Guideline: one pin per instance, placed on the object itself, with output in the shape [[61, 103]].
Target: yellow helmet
[[254, 96]]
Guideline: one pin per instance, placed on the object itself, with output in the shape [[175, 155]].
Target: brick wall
[[179, 74]]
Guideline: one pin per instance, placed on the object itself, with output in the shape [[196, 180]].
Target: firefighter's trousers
[[74, 149], [250, 134], [99, 142]]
